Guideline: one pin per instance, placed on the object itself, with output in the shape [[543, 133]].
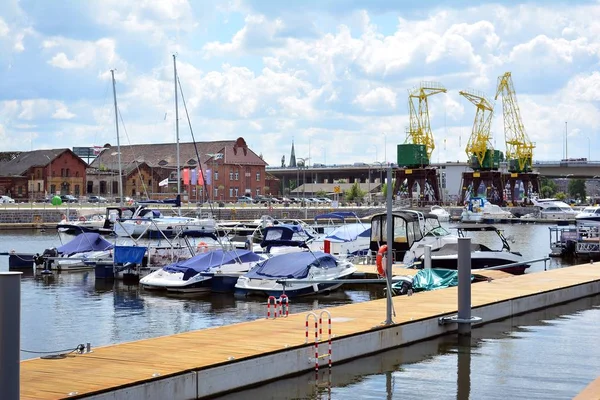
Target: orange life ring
[[381, 254], [202, 247], [82, 218]]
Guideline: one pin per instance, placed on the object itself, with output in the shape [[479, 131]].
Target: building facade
[[36, 175], [228, 169]]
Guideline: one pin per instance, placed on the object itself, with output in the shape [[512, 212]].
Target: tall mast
[[177, 126], [112, 73]]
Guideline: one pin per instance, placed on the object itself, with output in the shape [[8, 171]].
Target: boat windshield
[[438, 231]]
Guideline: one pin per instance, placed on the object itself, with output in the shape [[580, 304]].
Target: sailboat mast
[[112, 72], [177, 126]]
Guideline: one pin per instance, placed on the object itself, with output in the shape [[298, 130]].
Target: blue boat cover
[[85, 241], [129, 254], [205, 261], [291, 265], [349, 232], [285, 235]]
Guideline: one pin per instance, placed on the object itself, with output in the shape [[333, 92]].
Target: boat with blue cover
[[201, 272], [80, 253]]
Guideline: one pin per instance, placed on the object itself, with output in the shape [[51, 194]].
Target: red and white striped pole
[[269, 307], [316, 345]]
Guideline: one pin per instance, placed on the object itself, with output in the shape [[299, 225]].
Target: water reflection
[[504, 369]]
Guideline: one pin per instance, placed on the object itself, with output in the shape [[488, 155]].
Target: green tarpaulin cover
[[431, 279]]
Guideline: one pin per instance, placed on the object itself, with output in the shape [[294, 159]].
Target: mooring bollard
[[427, 256], [464, 285], [10, 334]]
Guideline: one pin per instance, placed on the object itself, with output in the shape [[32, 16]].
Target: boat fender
[[82, 218], [379, 260], [202, 247]]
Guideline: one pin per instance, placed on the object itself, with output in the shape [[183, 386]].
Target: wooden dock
[[206, 362], [591, 392]]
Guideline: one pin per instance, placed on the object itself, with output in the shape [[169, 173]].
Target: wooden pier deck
[[109, 368], [591, 392]]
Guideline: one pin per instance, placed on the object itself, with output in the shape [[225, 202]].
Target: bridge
[[375, 172]]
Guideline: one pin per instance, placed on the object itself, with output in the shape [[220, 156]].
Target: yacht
[[588, 216], [442, 214], [82, 252], [479, 209], [553, 209], [295, 262], [410, 236]]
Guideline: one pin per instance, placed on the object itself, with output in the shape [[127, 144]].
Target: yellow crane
[[419, 131], [479, 141], [519, 149]]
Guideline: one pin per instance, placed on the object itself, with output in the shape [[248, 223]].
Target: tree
[[384, 188], [577, 189], [354, 193], [321, 193], [548, 187], [561, 196]]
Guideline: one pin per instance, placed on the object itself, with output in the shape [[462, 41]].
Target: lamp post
[[589, 148], [381, 164], [385, 147], [303, 161]]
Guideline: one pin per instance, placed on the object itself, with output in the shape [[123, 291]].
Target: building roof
[[165, 154], [27, 159]]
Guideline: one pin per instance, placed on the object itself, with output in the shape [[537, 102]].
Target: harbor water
[[549, 354]]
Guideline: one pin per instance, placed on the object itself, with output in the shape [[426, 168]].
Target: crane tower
[[419, 131], [519, 149], [484, 160]]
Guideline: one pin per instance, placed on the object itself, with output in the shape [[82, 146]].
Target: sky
[[331, 76]]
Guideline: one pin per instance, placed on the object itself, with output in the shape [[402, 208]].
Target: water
[[554, 358]]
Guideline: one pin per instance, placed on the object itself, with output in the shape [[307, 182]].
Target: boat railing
[[517, 264]]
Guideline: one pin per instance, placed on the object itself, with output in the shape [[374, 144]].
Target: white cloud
[[62, 112], [377, 99], [82, 54], [4, 30]]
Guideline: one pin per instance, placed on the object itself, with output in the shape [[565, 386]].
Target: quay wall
[[17, 215]]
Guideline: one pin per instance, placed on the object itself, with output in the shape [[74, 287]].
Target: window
[[39, 189], [62, 172], [258, 177], [257, 192], [76, 190], [216, 175], [216, 192], [237, 176], [76, 174], [235, 190], [231, 192], [230, 175], [67, 173], [20, 190]]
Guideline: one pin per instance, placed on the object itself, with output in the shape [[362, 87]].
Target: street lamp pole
[[589, 148], [303, 160]]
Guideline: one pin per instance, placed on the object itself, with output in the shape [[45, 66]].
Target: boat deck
[[399, 269], [116, 366]]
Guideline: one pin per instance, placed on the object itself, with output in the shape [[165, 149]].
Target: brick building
[[33, 175], [230, 170]]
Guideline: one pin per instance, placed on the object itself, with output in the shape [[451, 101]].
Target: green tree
[[385, 186], [548, 187], [321, 193], [355, 193], [561, 196], [577, 189]]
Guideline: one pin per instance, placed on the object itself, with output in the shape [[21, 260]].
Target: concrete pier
[[211, 361]]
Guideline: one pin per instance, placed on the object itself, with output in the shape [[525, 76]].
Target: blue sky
[[330, 75]]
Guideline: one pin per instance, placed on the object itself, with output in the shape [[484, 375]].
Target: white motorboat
[[152, 223], [90, 223], [265, 278], [409, 240], [479, 209], [344, 240], [553, 209], [198, 273], [442, 214], [589, 216], [291, 258], [82, 252]]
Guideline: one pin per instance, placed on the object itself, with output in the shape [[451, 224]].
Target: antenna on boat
[[177, 128], [112, 73]]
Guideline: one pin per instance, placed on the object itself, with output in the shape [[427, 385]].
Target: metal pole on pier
[[389, 241], [10, 334], [464, 285], [427, 256]]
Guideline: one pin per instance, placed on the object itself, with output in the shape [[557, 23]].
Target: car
[[6, 199], [67, 198], [245, 199], [97, 199]]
